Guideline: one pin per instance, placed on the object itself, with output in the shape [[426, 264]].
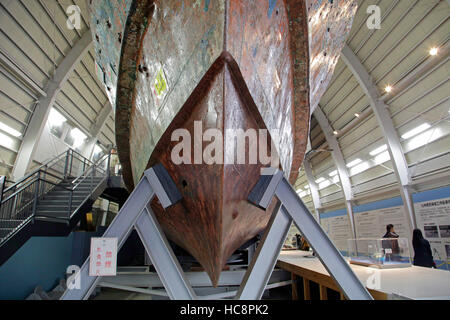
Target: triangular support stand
[[137, 214], [291, 208]]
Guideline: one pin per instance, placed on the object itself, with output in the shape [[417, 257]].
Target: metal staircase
[[50, 200]]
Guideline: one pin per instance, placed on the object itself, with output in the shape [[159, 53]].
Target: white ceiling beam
[[411, 78], [312, 184], [18, 82], [384, 119], [24, 75], [45, 103], [313, 188], [339, 162]]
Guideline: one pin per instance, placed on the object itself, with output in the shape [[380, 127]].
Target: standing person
[[423, 256], [391, 245]]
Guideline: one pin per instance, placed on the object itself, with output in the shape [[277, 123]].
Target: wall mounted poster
[[338, 230], [433, 218]]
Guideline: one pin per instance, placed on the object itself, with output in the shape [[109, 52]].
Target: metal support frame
[[40, 115], [314, 189], [290, 207], [136, 213], [339, 161], [386, 125], [228, 278]]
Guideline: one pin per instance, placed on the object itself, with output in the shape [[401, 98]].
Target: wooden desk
[[413, 282]]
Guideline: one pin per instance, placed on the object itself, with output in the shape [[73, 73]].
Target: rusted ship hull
[[226, 65]]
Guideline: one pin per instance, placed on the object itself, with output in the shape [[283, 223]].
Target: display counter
[[404, 283]]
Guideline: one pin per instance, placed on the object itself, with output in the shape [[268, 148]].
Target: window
[[75, 138], [56, 123], [97, 153]]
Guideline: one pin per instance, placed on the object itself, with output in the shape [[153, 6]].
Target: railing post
[[2, 187], [70, 203], [45, 177], [71, 161], [92, 178], [36, 194], [108, 169], [66, 165]]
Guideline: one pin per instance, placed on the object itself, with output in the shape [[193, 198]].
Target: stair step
[[52, 214], [81, 185], [52, 205], [56, 208], [10, 223], [53, 208], [64, 198], [60, 202], [63, 220], [69, 191], [87, 180], [78, 194], [4, 232]]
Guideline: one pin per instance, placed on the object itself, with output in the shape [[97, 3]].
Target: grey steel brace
[[136, 213], [291, 208]]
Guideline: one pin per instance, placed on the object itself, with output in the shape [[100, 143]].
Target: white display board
[[372, 224], [338, 230], [103, 258], [433, 218]]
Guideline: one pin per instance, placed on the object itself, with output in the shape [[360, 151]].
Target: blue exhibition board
[[429, 195]]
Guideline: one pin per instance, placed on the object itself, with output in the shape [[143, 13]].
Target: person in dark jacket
[[391, 245], [390, 232], [423, 256]]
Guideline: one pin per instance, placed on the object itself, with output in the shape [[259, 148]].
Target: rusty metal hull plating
[[230, 65]]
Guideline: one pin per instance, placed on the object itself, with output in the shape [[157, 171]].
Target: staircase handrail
[[90, 172], [45, 164], [36, 184], [85, 174]]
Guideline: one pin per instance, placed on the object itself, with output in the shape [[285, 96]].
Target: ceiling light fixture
[[354, 163], [378, 150], [359, 168], [324, 184], [382, 157], [416, 131], [434, 51], [320, 180], [333, 173], [9, 130]]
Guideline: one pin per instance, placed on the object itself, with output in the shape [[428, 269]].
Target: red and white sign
[[103, 258]]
